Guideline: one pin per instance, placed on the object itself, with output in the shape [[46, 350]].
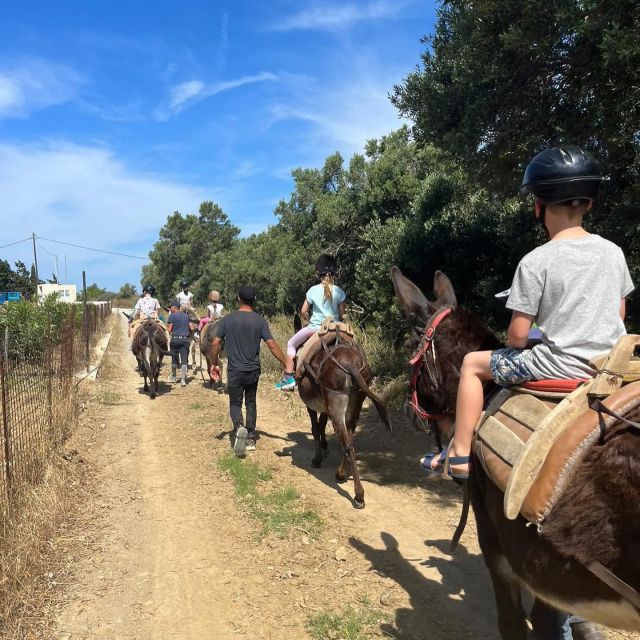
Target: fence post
[[85, 321], [5, 426]]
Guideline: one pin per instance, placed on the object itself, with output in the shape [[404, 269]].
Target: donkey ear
[[411, 300], [442, 287]]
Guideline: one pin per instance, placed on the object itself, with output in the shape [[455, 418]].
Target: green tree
[[127, 290]]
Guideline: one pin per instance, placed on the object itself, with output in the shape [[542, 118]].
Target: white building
[[66, 292]]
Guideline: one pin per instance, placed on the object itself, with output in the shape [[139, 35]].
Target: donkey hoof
[[341, 479], [316, 464], [358, 504]]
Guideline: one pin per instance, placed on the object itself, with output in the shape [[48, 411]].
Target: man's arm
[[215, 350], [623, 308], [277, 351], [214, 371], [518, 334]]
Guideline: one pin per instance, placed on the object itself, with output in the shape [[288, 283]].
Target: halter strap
[[418, 361]]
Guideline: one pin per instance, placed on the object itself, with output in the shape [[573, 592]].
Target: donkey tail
[[159, 347], [379, 405]]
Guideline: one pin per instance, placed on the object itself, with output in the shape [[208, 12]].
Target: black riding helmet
[[562, 174], [326, 264], [150, 288], [184, 284]]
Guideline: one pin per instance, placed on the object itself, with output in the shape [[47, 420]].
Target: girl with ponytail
[[322, 300]]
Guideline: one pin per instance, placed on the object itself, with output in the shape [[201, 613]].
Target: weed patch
[[196, 406], [278, 510], [355, 623], [109, 398]]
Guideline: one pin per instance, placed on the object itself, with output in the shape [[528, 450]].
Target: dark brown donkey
[[149, 344], [335, 384], [595, 522]]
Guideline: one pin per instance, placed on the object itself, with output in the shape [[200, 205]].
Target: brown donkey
[[595, 522], [149, 344], [334, 385]]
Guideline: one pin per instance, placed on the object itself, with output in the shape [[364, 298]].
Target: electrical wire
[[79, 246], [53, 255], [16, 242]]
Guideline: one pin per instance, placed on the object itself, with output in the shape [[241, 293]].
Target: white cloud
[[327, 17], [187, 93], [29, 84], [87, 196], [183, 92]]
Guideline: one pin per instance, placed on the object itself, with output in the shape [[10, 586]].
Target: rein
[[419, 361]]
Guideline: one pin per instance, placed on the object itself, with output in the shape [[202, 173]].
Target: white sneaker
[[251, 444], [240, 445]]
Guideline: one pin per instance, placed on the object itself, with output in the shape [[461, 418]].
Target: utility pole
[[55, 263], [35, 258], [66, 277]]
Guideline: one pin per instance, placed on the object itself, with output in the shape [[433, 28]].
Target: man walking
[[243, 330]]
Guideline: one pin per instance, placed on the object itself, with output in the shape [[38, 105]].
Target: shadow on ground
[[457, 605], [384, 458]]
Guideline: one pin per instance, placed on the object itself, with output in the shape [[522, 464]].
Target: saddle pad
[[570, 447], [554, 386], [136, 324]]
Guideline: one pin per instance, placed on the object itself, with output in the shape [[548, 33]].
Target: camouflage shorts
[[509, 366]]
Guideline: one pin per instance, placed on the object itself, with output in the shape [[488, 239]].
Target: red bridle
[[417, 361]]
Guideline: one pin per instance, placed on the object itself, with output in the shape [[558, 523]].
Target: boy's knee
[[475, 362]]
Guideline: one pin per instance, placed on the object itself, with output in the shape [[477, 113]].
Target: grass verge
[[278, 510], [31, 571], [354, 623]]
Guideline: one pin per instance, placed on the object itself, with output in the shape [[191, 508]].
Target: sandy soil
[[173, 556]]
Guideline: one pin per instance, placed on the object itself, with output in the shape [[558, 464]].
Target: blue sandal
[[429, 458], [443, 465], [458, 476]]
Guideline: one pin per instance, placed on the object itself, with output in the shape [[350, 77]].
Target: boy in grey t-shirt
[[574, 287]]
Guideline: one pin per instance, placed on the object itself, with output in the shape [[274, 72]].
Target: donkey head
[[458, 334]]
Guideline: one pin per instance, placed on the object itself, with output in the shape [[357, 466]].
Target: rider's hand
[[215, 373]]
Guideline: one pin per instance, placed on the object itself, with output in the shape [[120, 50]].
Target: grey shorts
[[509, 366]]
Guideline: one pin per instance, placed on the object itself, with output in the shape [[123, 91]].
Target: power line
[[79, 246], [53, 255], [12, 243]]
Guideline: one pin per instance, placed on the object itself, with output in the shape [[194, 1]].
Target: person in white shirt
[[214, 310], [185, 297], [146, 307]]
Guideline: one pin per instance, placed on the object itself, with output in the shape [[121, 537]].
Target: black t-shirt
[[180, 322], [242, 332]]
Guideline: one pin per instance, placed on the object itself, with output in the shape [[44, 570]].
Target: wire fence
[[38, 394]]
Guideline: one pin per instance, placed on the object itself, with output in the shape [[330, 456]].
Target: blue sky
[[114, 114]]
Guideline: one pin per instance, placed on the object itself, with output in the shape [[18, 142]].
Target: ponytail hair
[[327, 283]]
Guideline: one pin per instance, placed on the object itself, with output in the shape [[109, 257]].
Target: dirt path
[[174, 556]]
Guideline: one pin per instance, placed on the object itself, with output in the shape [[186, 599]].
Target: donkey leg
[[316, 462], [508, 593], [337, 406], [506, 587], [322, 423]]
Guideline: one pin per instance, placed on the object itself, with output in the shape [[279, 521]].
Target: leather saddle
[[531, 437], [330, 333]]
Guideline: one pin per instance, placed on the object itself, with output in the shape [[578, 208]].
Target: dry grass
[[39, 524]]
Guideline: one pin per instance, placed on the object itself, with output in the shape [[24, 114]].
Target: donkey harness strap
[[419, 359]]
